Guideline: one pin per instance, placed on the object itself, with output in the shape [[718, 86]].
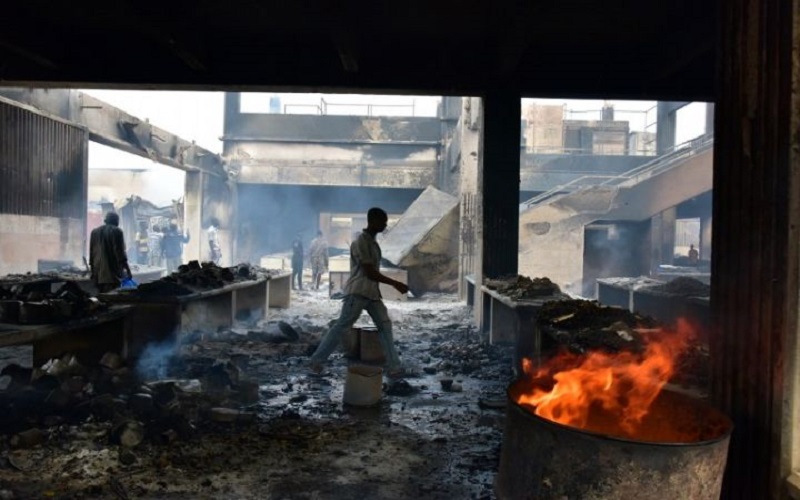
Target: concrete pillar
[[662, 238], [233, 105], [193, 215], [666, 121], [755, 272], [705, 237], [500, 182], [471, 204], [709, 118]]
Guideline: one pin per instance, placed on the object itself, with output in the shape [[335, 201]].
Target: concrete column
[[710, 118], [705, 237], [471, 206], [193, 215], [500, 182], [755, 272], [666, 122]]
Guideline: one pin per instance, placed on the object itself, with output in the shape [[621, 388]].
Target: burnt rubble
[[45, 301], [523, 287], [584, 325]]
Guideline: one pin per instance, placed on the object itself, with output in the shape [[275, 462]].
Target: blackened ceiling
[[635, 49]]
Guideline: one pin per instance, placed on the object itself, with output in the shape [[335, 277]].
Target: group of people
[[108, 261], [158, 245], [317, 253]]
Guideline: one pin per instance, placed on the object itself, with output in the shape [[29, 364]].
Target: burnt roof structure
[[630, 49]]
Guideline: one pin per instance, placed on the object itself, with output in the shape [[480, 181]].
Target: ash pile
[[523, 287], [45, 301]]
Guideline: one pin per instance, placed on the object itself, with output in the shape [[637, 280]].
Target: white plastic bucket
[[363, 386]]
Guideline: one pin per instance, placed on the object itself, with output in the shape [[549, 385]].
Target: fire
[[587, 391]]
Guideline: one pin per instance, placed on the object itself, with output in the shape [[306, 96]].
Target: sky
[[198, 116]]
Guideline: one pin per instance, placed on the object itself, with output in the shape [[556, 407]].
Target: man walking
[[172, 246], [319, 258], [107, 257], [362, 293]]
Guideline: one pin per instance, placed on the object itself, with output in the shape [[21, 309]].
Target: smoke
[[271, 216], [155, 360]]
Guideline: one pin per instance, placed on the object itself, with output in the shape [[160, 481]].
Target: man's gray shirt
[[364, 250]]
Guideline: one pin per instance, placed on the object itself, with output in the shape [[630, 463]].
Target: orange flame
[[619, 387]]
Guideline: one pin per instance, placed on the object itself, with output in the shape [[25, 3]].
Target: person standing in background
[[318, 252], [107, 257], [172, 246], [694, 255], [142, 244], [154, 241], [214, 250], [297, 263]]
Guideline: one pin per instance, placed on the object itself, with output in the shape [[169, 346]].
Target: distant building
[[642, 143], [544, 128]]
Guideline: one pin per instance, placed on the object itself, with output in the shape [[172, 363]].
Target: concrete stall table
[[280, 290], [88, 338], [513, 322], [161, 317], [619, 291]]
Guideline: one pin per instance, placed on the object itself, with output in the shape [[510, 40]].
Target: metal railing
[[677, 154], [327, 108]]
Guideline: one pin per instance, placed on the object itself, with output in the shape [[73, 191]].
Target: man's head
[[112, 218], [156, 229], [319, 233], [377, 219], [173, 226]]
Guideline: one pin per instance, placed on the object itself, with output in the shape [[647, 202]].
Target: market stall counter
[[88, 337]]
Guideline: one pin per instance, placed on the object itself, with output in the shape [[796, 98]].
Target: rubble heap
[[522, 287], [35, 302], [66, 392], [584, 325]]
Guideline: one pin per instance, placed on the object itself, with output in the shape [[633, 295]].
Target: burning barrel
[[602, 426]]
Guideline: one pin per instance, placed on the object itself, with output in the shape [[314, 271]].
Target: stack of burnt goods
[[197, 277], [42, 301], [65, 392], [523, 288]]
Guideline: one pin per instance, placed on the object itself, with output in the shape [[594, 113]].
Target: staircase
[[552, 223]]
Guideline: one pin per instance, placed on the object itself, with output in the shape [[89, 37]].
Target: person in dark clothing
[[172, 246], [107, 257], [297, 263]]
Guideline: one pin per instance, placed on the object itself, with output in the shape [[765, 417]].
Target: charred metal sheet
[[114, 127], [42, 164]]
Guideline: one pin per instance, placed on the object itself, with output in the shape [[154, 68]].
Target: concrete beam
[[400, 175], [114, 127]]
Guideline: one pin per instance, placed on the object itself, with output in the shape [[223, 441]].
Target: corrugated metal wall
[[42, 164]]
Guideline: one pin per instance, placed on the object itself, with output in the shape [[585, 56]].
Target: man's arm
[[375, 275]]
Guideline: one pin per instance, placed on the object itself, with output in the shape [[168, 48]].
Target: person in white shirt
[[362, 293]]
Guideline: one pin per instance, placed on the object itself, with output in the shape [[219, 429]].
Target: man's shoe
[[315, 369], [396, 374]]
